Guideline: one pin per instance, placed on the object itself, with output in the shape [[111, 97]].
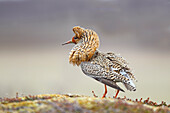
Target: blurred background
[[33, 61]]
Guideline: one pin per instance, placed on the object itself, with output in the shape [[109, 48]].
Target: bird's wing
[[98, 73], [120, 66]]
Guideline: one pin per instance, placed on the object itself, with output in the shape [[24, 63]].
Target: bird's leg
[[104, 95], [117, 93]]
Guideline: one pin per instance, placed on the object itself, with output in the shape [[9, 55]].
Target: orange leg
[[104, 95], [117, 93]]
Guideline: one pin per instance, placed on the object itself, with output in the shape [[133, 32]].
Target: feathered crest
[[79, 31]]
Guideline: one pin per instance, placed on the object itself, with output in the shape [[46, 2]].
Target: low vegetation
[[52, 103]]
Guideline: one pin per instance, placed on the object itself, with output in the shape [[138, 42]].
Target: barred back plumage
[[107, 68]]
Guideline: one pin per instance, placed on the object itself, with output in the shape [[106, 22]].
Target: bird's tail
[[130, 86]]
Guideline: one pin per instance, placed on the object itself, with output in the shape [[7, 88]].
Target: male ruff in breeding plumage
[[107, 68]]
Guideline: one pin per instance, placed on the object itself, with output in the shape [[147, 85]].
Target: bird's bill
[[67, 42]]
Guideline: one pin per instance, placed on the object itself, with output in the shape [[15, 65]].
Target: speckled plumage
[[107, 68]]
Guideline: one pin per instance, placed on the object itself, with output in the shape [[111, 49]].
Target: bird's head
[[87, 41], [79, 32], [74, 40]]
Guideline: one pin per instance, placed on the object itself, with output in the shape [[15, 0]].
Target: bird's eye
[[75, 37]]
